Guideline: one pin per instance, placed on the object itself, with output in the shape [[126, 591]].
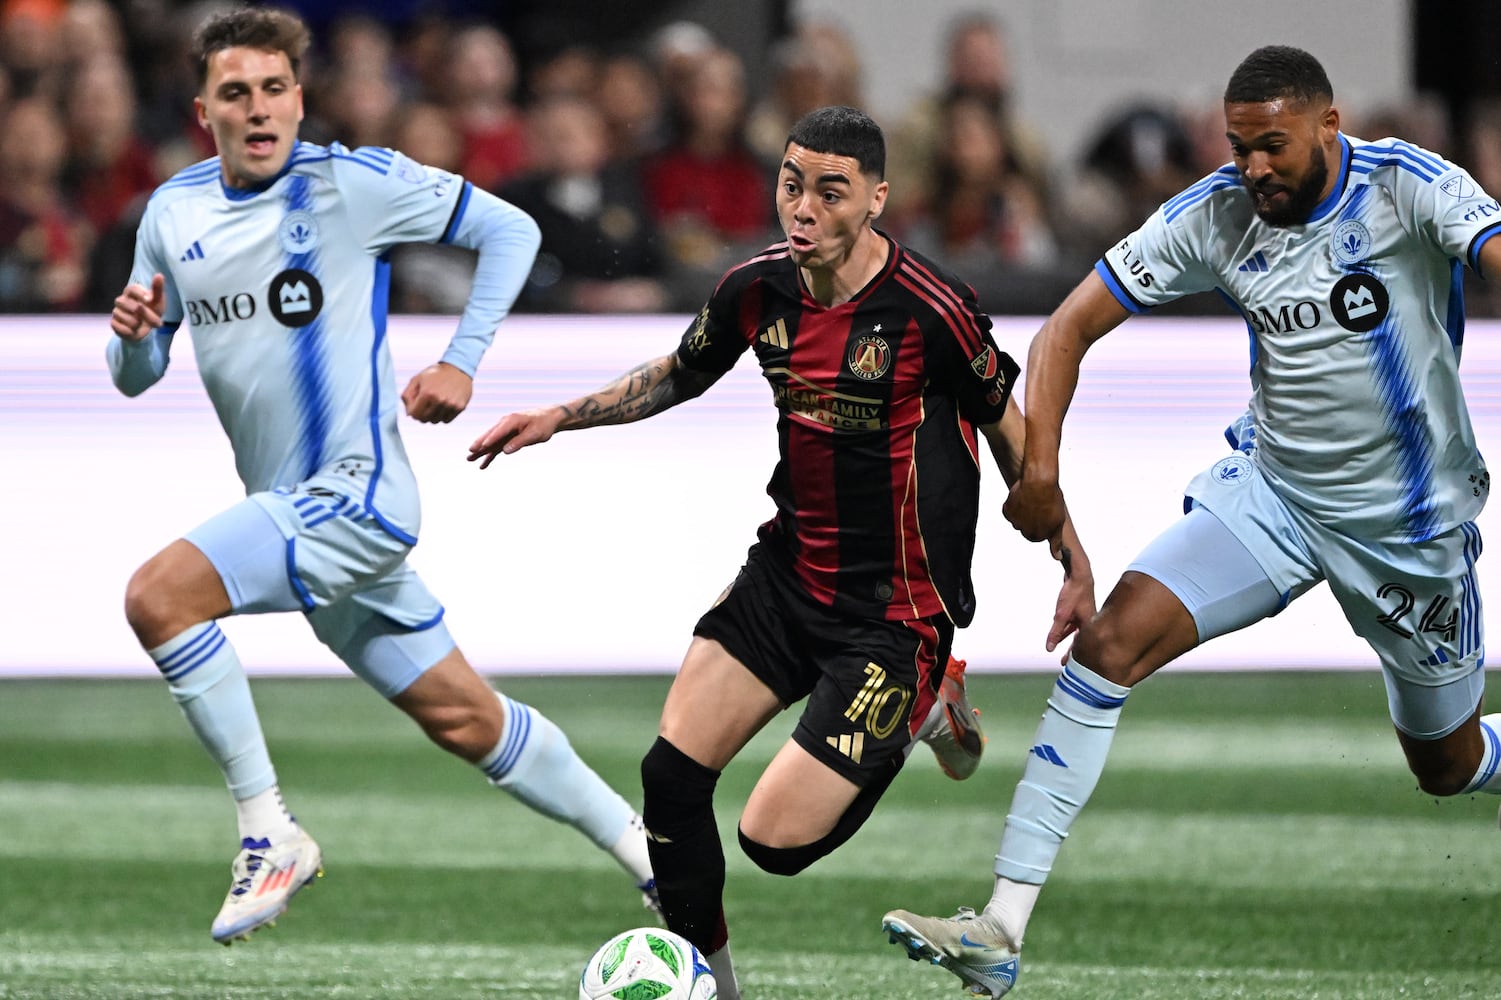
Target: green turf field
[[1256, 836]]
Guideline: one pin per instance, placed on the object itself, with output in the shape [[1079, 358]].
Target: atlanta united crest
[[870, 358]]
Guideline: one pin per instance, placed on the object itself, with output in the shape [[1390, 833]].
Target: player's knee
[[1105, 647], [677, 791], [462, 729], [148, 606], [781, 860], [1443, 781]]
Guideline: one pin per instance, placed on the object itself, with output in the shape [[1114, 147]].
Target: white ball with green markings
[[647, 963]]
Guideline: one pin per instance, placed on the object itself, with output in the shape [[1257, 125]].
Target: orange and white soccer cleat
[[265, 877], [957, 739]]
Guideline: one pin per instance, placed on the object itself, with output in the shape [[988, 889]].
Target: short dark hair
[[843, 131], [263, 28], [1275, 71]]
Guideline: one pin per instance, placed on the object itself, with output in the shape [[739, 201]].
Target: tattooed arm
[[643, 391]]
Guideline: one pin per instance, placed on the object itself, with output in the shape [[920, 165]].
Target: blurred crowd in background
[[648, 164]]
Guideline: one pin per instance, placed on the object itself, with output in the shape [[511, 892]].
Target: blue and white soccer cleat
[[957, 739], [972, 947], [651, 900], [265, 878]]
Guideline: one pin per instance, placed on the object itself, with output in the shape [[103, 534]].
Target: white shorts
[[1416, 603], [291, 550]]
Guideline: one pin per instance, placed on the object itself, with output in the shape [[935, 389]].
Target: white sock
[[724, 973], [205, 678], [264, 816], [1063, 766], [1011, 907], [1488, 775], [535, 763], [630, 850]]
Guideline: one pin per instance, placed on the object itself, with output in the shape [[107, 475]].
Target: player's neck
[[836, 285]]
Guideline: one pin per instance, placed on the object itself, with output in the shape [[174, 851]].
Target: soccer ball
[[647, 963]]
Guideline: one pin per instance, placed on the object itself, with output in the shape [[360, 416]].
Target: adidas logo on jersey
[[194, 252], [1255, 264], [775, 335]]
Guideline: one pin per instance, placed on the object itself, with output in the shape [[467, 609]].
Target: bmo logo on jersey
[[296, 297], [1359, 302]]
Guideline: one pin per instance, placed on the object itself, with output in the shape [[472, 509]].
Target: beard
[[1301, 200]]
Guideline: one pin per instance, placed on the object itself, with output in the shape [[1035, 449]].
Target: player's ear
[[1330, 122], [201, 112], [877, 202]]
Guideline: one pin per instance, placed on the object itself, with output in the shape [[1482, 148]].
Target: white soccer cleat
[[972, 947], [265, 877], [957, 740]]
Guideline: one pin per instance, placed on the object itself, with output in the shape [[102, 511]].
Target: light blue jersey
[[1356, 320], [284, 288]]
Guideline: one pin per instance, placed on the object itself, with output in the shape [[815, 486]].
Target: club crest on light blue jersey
[[298, 232], [1351, 242]]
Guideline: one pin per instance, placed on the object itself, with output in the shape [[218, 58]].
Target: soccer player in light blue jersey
[[274, 253], [1355, 463]]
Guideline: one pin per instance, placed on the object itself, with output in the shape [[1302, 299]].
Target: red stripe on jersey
[[911, 582], [817, 561], [926, 661], [777, 251], [947, 304]]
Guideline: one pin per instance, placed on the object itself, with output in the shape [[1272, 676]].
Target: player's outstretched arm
[[1076, 603], [643, 391], [1035, 506]]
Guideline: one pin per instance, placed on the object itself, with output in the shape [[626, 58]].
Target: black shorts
[[869, 682]]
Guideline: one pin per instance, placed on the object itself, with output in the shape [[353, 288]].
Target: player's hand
[[138, 309], [513, 432], [1076, 598], [437, 394], [1036, 509]]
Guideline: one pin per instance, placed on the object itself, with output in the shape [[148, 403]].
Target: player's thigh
[[797, 799], [743, 667], [715, 705], [287, 551], [1418, 606], [389, 632], [1213, 574], [1238, 555], [877, 681], [177, 587]]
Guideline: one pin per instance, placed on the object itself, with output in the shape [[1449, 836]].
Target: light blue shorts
[[293, 551], [1242, 554]]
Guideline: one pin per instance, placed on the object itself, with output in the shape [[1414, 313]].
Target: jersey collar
[[1326, 206], [244, 194]]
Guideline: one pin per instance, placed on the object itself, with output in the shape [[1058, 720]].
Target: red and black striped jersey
[[877, 486]]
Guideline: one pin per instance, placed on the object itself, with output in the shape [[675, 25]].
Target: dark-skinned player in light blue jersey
[[1355, 463]]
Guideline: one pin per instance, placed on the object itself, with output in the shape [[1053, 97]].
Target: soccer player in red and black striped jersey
[[885, 376]]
